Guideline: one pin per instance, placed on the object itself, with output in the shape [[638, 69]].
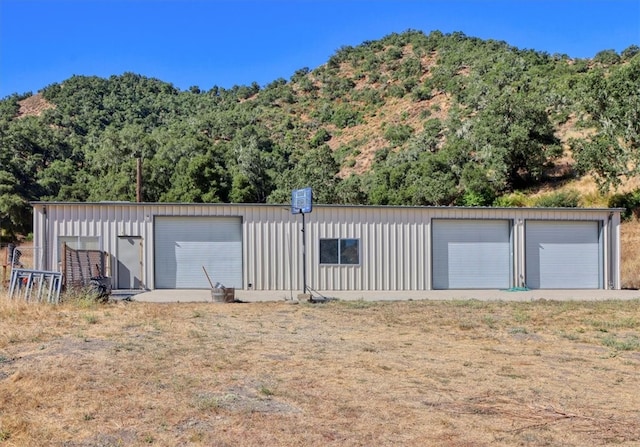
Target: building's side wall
[[395, 242]]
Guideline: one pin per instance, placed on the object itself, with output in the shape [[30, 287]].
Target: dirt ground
[[413, 373]]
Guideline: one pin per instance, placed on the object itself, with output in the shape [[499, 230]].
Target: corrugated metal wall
[[395, 242]]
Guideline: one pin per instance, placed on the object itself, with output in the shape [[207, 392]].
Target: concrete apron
[[205, 295]]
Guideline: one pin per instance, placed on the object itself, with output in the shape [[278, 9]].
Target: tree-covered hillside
[[410, 119]]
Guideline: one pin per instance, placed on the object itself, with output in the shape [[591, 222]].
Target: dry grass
[[345, 373], [630, 255]]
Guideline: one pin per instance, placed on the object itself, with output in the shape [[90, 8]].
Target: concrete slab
[[204, 295]]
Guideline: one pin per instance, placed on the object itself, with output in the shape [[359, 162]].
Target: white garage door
[[183, 245], [563, 255], [471, 254]]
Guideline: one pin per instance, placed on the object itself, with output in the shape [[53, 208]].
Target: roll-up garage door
[[183, 245], [471, 254], [563, 255]]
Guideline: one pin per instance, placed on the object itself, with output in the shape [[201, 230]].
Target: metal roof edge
[[276, 205]]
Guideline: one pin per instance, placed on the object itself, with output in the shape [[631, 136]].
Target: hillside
[[410, 119]]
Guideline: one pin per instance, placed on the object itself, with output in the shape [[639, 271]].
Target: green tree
[[607, 57], [315, 168], [251, 181], [200, 179], [612, 102]]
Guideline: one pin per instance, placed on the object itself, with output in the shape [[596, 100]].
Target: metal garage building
[[362, 248]]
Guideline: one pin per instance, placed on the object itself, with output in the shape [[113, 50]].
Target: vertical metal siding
[[393, 249], [395, 242]]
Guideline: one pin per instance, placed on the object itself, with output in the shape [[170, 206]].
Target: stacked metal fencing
[[35, 285], [83, 269]]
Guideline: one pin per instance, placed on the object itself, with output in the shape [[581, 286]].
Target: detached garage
[[343, 248]]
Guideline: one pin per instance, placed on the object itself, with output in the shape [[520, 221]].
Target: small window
[[78, 243], [340, 251]]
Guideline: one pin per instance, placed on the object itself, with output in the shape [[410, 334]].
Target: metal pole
[[304, 259]]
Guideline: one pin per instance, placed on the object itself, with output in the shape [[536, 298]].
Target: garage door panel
[[563, 255], [471, 254], [183, 245]]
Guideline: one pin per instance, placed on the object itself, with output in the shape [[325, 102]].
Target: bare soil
[[34, 105], [413, 373]]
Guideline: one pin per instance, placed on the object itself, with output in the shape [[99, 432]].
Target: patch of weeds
[[629, 343], [265, 391], [13, 337], [490, 321], [149, 439], [369, 349], [128, 346], [197, 437], [473, 304], [4, 435], [358, 304], [197, 314], [521, 317], [568, 336], [536, 391], [90, 319], [508, 371], [80, 299], [518, 330], [205, 402], [82, 336], [156, 325], [197, 334], [88, 417], [606, 326], [467, 325]]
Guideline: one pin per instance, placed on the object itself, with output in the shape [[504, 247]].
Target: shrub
[[560, 199], [321, 137], [398, 134], [516, 199], [344, 116], [421, 93], [395, 91], [630, 201], [607, 57]]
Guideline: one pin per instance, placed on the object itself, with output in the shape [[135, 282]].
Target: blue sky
[[228, 42]]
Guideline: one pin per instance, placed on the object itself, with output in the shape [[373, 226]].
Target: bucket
[[217, 295], [229, 295]]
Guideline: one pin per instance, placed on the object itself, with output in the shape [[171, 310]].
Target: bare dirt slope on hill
[[34, 106], [338, 374]]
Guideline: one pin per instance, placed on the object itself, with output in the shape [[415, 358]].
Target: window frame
[[341, 245], [80, 243]]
